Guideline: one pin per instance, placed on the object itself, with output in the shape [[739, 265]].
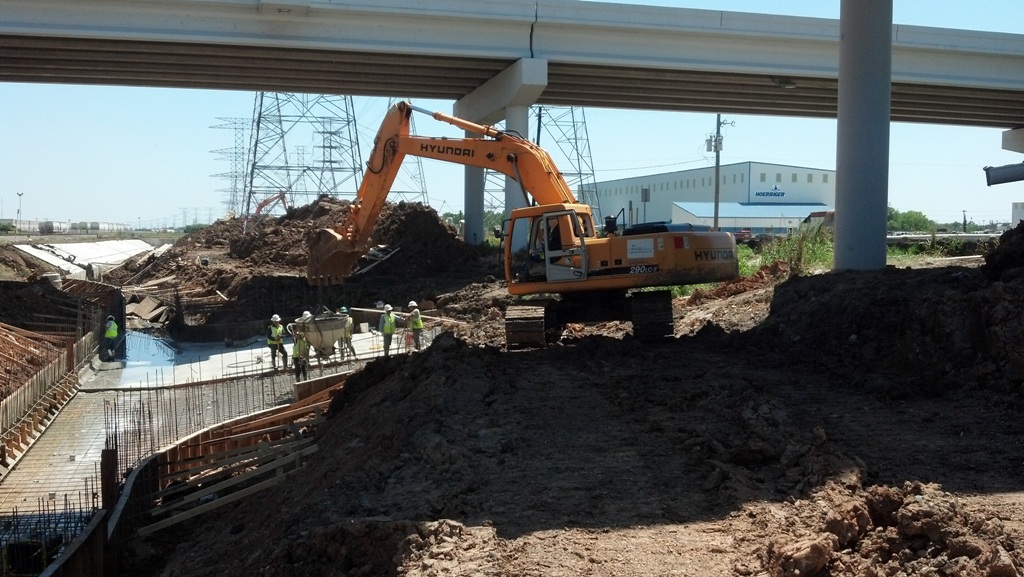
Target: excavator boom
[[334, 252]]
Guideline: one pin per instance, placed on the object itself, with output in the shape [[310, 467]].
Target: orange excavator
[[281, 197], [552, 249]]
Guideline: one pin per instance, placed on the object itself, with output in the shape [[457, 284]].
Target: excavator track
[[651, 313], [525, 327]]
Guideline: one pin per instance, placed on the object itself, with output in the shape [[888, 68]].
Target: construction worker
[[300, 356], [275, 340], [110, 337], [346, 335], [415, 323], [386, 325]]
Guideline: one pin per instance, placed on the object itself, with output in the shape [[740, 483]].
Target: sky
[[148, 157]]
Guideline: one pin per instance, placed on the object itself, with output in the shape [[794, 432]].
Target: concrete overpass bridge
[[496, 59]]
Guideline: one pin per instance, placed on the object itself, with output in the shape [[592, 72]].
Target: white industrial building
[[766, 198], [1016, 214]]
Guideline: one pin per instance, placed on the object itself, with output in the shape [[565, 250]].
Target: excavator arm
[[334, 252], [270, 200]]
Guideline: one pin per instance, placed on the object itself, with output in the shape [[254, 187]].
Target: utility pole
[[965, 221], [716, 146]]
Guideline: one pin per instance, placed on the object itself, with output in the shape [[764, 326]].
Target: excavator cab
[[556, 250]]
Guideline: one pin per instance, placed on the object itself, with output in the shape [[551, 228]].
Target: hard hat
[[343, 310], [387, 308], [412, 304], [305, 318], [275, 319], [110, 318]]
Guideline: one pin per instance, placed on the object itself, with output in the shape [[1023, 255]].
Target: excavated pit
[[842, 424]]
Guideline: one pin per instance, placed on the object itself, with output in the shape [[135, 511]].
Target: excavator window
[[554, 235]]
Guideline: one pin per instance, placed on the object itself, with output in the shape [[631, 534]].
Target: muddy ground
[[844, 424]]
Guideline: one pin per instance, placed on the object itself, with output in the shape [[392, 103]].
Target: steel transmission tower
[[236, 157], [567, 127], [285, 128]]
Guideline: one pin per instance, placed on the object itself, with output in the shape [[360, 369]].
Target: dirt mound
[[850, 424], [916, 529], [608, 457], [1006, 261], [936, 327], [16, 265], [252, 269]]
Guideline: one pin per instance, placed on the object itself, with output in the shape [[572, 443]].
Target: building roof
[[751, 210], [725, 167]]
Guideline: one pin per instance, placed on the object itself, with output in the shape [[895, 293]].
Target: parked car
[[742, 234]]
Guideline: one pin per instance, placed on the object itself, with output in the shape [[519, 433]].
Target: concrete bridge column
[[1013, 139], [473, 225], [517, 120], [862, 133], [507, 96]]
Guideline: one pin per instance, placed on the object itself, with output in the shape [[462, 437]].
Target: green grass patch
[[806, 251]]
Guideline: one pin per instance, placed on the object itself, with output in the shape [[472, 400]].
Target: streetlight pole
[[20, 194]]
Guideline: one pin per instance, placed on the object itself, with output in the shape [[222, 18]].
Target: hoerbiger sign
[[775, 192]]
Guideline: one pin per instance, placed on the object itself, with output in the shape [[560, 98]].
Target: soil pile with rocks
[[251, 269], [847, 424]]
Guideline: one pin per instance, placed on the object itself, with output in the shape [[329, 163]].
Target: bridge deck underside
[[212, 66]]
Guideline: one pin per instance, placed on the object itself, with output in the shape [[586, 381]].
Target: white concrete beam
[[508, 95], [518, 85], [284, 8], [1014, 140]]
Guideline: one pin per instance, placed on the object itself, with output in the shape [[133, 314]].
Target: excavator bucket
[[332, 256]]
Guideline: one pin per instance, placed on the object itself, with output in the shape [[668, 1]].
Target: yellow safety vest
[[387, 323], [301, 349], [275, 335], [111, 330], [415, 322]]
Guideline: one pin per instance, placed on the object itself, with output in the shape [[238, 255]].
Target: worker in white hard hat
[[275, 340], [345, 342], [415, 323], [300, 356], [386, 325], [110, 331]]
